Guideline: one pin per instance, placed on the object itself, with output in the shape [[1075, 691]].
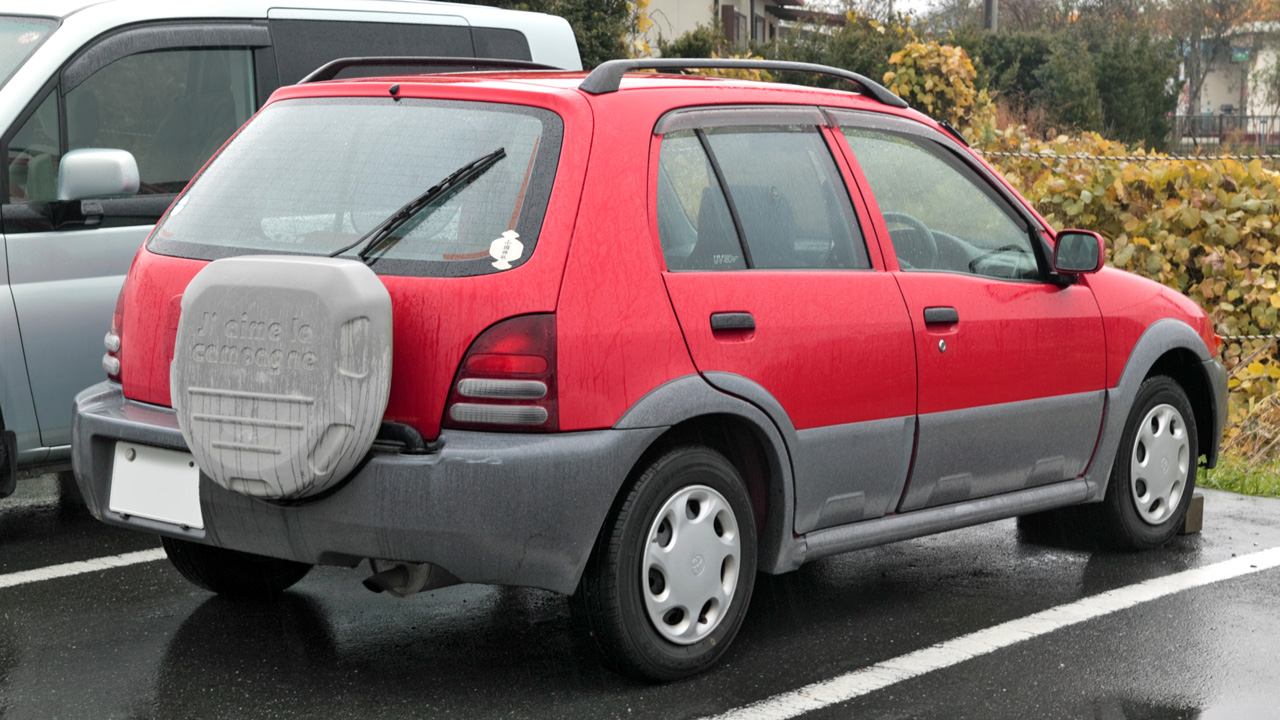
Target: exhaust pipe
[[403, 579]]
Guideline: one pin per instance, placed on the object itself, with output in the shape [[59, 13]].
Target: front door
[[772, 281], [1011, 366], [171, 108]]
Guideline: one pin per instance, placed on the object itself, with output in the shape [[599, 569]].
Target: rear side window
[[784, 195], [314, 176], [301, 46]]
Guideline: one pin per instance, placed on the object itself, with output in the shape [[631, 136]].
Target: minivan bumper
[[498, 508]]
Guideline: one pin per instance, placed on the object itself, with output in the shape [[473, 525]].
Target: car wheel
[[233, 573], [670, 578], [1155, 469]]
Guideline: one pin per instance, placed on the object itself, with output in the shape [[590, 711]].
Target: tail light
[[114, 341], [507, 380]]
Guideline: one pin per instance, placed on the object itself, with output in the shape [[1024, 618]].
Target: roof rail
[[330, 70], [608, 75]]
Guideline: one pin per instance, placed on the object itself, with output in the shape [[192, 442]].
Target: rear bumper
[[1216, 372], [505, 509]]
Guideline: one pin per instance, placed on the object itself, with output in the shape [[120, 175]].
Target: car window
[[34, 155], [19, 38], [302, 46], [694, 223], [171, 108], [940, 214], [791, 203], [317, 176]]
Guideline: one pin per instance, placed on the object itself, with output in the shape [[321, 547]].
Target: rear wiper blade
[[438, 193]]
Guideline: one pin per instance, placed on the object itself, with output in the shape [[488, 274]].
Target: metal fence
[[1262, 131]]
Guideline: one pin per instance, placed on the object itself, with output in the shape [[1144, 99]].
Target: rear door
[[1011, 366], [171, 96], [772, 280]]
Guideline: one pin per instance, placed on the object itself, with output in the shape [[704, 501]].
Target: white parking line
[[54, 572], [952, 652]]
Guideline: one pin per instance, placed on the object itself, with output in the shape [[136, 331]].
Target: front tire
[[233, 573], [671, 575], [1155, 469]]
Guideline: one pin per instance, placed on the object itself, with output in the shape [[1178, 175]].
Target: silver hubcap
[[1158, 468], [691, 560]]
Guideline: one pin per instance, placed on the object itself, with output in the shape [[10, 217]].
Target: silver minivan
[[107, 110]]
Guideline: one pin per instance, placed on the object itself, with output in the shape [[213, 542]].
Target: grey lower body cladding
[[505, 509]]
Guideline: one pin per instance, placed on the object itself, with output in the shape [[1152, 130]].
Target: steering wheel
[[915, 256], [975, 263]]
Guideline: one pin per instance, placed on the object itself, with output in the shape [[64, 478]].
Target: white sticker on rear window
[[505, 249], [178, 206]]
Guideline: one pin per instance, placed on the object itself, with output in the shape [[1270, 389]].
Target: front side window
[[784, 194], [318, 176], [938, 211], [171, 108]]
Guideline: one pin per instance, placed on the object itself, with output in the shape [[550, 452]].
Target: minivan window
[[301, 46], [171, 108], [19, 37], [313, 176], [34, 155]]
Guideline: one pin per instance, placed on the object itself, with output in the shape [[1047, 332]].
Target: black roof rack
[[608, 76], [330, 70]]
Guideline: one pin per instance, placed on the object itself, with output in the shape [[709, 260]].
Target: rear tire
[[1155, 470], [233, 573], [669, 581]]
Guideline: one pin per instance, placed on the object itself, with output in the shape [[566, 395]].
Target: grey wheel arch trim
[[719, 393], [1159, 339]]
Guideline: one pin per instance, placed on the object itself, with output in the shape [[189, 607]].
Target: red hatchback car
[[633, 339]]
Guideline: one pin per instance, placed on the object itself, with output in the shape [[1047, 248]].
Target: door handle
[[732, 321], [941, 316]]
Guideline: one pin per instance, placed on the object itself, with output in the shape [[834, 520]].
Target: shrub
[[1210, 229], [939, 79]]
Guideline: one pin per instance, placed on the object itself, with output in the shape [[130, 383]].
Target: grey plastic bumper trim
[[497, 508]]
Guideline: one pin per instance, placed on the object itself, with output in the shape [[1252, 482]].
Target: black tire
[[1119, 520], [610, 601], [233, 573]]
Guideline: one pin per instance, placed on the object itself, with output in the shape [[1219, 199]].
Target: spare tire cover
[[281, 371]]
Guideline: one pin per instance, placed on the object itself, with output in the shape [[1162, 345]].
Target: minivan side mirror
[[1078, 252], [97, 173]]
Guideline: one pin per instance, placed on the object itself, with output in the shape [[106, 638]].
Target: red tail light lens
[[114, 341], [507, 380]]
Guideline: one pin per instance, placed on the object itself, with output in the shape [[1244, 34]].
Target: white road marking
[[854, 684], [54, 572]]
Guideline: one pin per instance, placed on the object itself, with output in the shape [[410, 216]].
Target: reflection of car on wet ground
[[168, 82], [632, 338]]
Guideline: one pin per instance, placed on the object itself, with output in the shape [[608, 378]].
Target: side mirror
[[97, 173], [1078, 252]]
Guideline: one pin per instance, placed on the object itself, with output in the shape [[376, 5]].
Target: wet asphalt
[[139, 642]]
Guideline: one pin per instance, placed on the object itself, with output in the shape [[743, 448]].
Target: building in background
[[744, 21]]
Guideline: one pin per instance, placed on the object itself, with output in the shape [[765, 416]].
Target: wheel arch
[[1168, 347], [694, 411]]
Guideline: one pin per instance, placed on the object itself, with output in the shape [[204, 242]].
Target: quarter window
[[940, 214], [34, 155], [787, 205]]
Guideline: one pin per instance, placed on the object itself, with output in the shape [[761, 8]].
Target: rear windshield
[[19, 37], [314, 176]]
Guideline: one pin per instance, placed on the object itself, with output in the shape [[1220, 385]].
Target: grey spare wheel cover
[[281, 371]]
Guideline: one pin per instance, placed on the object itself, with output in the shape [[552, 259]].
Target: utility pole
[[990, 8]]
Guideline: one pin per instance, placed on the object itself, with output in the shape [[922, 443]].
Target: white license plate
[[157, 484]]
